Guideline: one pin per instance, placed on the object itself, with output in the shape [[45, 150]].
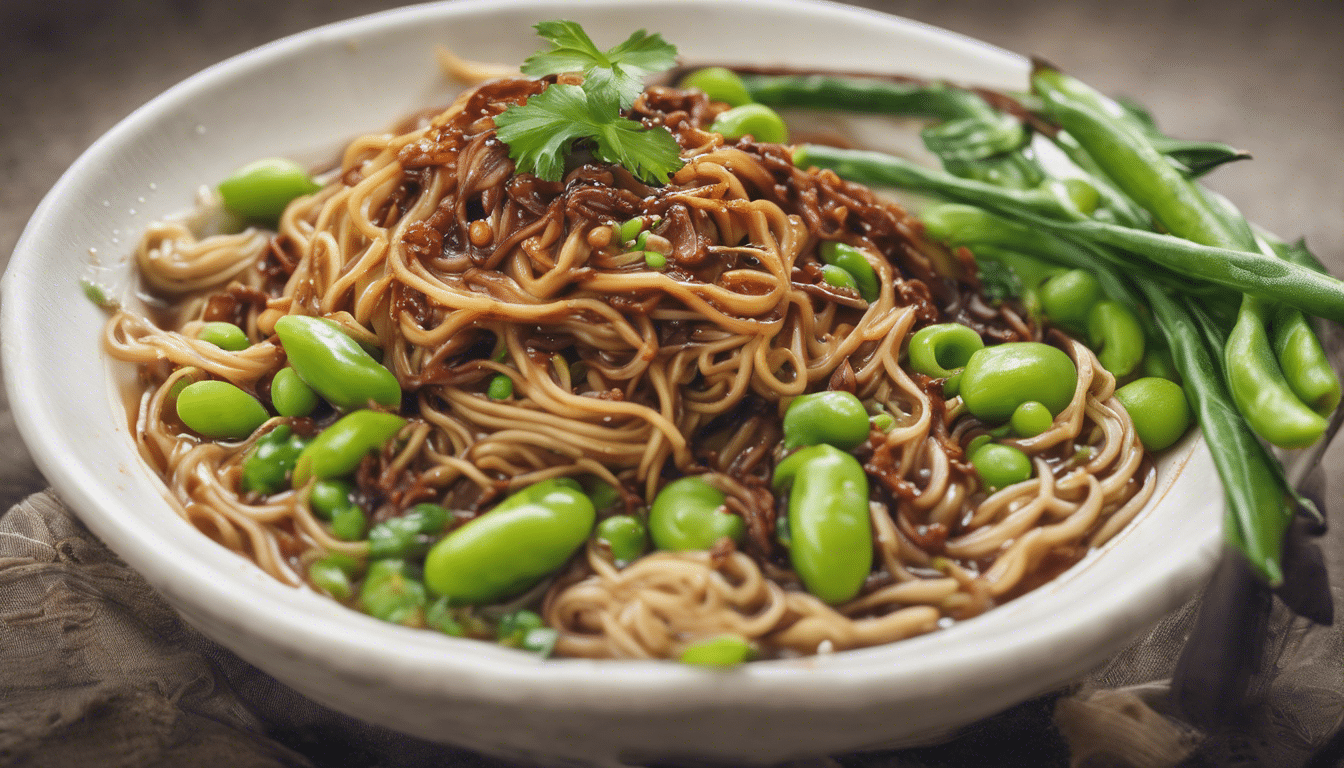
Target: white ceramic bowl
[[304, 96]]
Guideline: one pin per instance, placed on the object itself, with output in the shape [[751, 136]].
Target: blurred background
[[1261, 75]]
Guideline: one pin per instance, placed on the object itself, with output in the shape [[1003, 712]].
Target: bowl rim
[[472, 665]]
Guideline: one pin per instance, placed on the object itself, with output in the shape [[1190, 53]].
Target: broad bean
[[756, 120], [852, 260], [1000, 466], [513, 546], [267, 466], [409, 535], [1159, 410], [833, 417], [1000, 378], [721, 651], [690, 514], [1068, 297], [290, 396], [334, 364], [941, 350], [626, 537], [260, 190], [719, 84], [1114, 332], [831, 536], [224, 335], [339, 448], [219, 409]]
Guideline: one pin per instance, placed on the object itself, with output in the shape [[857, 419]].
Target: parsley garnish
[[543, 131]]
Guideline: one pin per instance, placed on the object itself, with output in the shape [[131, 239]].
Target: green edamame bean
[[349, 522], [690, 514], [839, 277], [1114, 332], [852, 260], [721, 651], [998, 379], [941, 350], [1068, 297], [224, 335], [334, 364], [833, 417], [267, 466], [1159, 410], [409, 535], [756, 120], [831, 535], [501, 387], [1000, 466], [261, 190], [977, 443], [392, 592], [630, 229], [219, 409], [513, 546], [290, 396], [333, 573], [1031, 418], [625, 536], [719, 84], [655, 261], [327, 496], [339, 448]]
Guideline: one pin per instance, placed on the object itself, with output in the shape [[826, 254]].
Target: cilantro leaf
[[998, 281], [618, 71], [541, 132]]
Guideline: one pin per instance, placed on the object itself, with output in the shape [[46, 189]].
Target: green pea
[[655, 261], [501, 387], [327, 496], [334, 364], [1000, 466], [629, 230], [525, 630], [1159, 410], [224, 335], [219, 409], [719, 84], [1031, 418], [604, 495], [1069, 296], [1115, 334], [348, 523], [941, 350], [339, 448], [852, 260], [838, 277], [261, 190], [409, 535], [267, 466], [690, 514], [333, 573], [831, 535], [721, 651], [1000, 378], [625, 536], [509, 549], [834, 417], [392, 592], [756, 120], [290, 396]]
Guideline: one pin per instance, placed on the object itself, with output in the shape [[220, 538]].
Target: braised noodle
[[426, 244]]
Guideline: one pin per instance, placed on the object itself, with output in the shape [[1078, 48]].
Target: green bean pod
[[219, 409], [831, 535], [690, 514], [1117, 337], [334, 364], [1258, 387], [339, 448], [509, 549], [832, 417], [1303, 361]]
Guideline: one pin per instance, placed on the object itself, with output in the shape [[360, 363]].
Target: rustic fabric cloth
[[97, 670]]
